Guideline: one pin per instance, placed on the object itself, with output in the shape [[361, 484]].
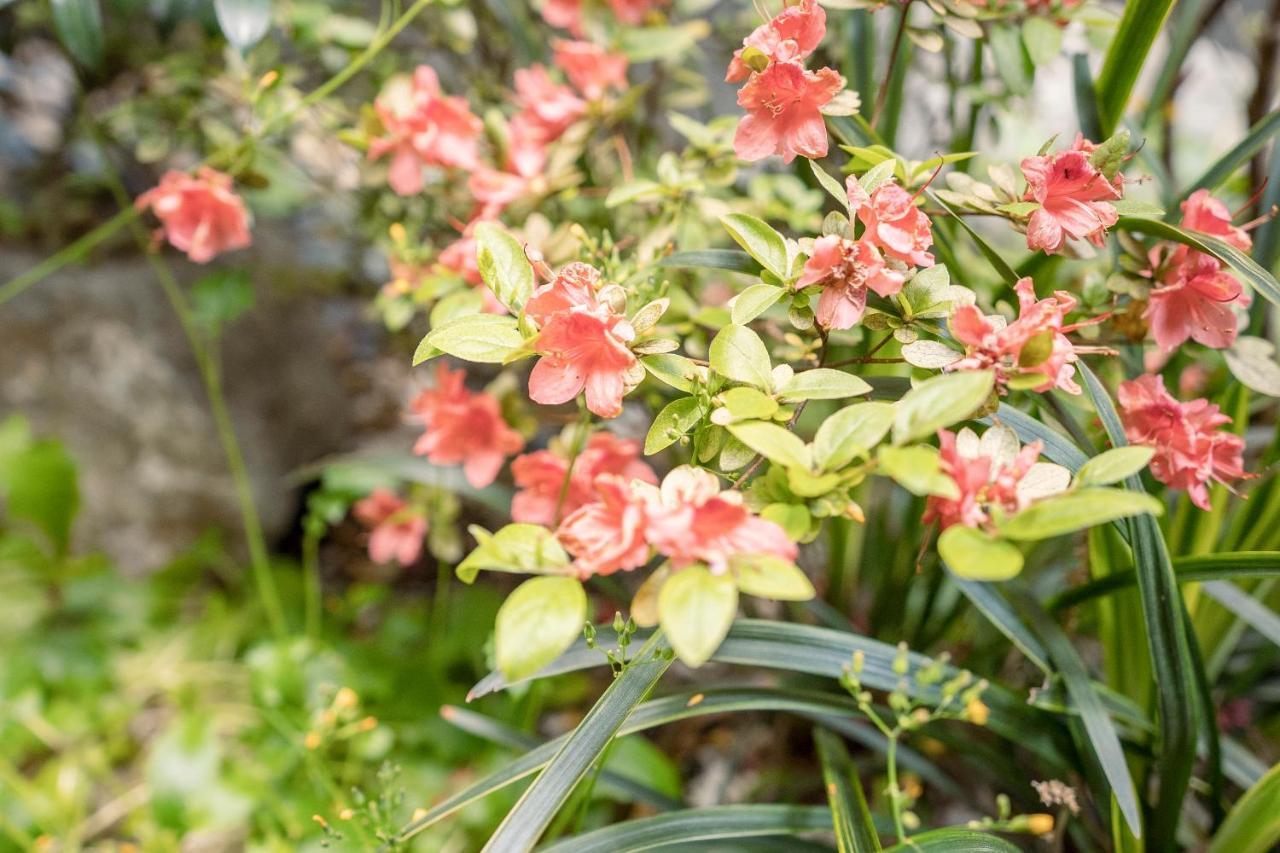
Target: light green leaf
[[760, 240], [675, 370], [1253, 824], [503, 265], [675, 419], [738, 354], [940, 402], [38, 484], [851, 432], [1114, 465], [767, 576], [695, 610], [917, 469], [1043, 39], [1253, 361], [745, 403], [830, 183], [539, 620], [516, 548], [1132, 207], [773, 443], [971, 553], [486, 338], [1077, 510], [714, 259], [823, 383], [754, 301]]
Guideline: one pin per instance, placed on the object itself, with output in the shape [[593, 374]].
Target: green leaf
[[1132, 207], [220, 298], [539, 620], [714, 259], [503, 266], [675, 420], [760, 240], [850, 433], [831, 184], [997, 261], [537, 807], [1101, 732], [977, 555], [517, 548], [1246, 608], [774, 443], [754, 301], [996, 608], [78, 24], [675, 370], [1142, 22], [486, 338], [691, 826], [1253, 824], [243, 22], [745, 403], [822, 383], [767, 576], [955, 841], [1013, 64], [855, 831], [1043, 39], [695, 610], [1254, 140], [1076, 510], [939, 402], [1112, 466], [39, 485], [1110, 154], [917, 469], [1233, 565], [738, 354]]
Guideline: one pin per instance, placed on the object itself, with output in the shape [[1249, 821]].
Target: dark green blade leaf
[[79, 27], [1000, 614], [1168, 643], [1103, 739], [1248, 269], [1253, 141], [1237, 565], [1057, 447], [1142, 21], [537, 807], [955, 841], [999, 264], [855, 832], [733, 260], [692, 825], [1253, 824], [1086, 98]]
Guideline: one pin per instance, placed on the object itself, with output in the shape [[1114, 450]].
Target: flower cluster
[[569, 14], [199, 214], [1190, 448], [992, 475], [1075, 197], [688, 519], [396, 527], [424, 127], [550, 484], [463, 427], [783, 99]]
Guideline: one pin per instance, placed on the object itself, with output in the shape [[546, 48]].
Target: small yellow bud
[[266, 81], [368, 724], [397, 233], [313, 740], [1040, 824], [346, 698], [346, 814], [694, 700], [977, 712], [418, 814], [324, 824]]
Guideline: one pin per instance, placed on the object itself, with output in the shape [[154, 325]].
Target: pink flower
[[583, 344], [1192, 300], [1034, 344], [1190, 449], [692, 521], [397, 528], [1075, 198], [633, 11], [199, 215], [1204, 213], [783, 104], [494, 189], [540, 477], [565, 14], [463, 427], [845, 269], [791, 35], [547, 108], [987, 479], [424, 127], [893, 222], [590, 68], [608, 534]]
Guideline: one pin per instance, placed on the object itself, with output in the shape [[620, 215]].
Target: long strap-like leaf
[[1228, 566], [1253, 824], [715, 823], [1142, 22], [855, 832]]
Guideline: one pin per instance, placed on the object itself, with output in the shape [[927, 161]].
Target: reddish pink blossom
[[547, 108], [590, 68], [1204, 213], [893, 222], [1075, 198], [397, 528], [845, 269], [1034, 344], [565, 14], [424, 127], [494, 189], [463, 427], [199, 215], [1190, 449], [540, 477], [583, 344], [1192, 299], [986, 480], [692, 521], [608, 534], [633, 12], [791, 35], [783, 104]]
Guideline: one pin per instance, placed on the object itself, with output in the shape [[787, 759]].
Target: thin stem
[[69, 254], [898, 36], [895, 795], [311, 581], [579, 441]]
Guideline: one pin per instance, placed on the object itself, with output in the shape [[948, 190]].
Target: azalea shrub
[[967, 453]]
